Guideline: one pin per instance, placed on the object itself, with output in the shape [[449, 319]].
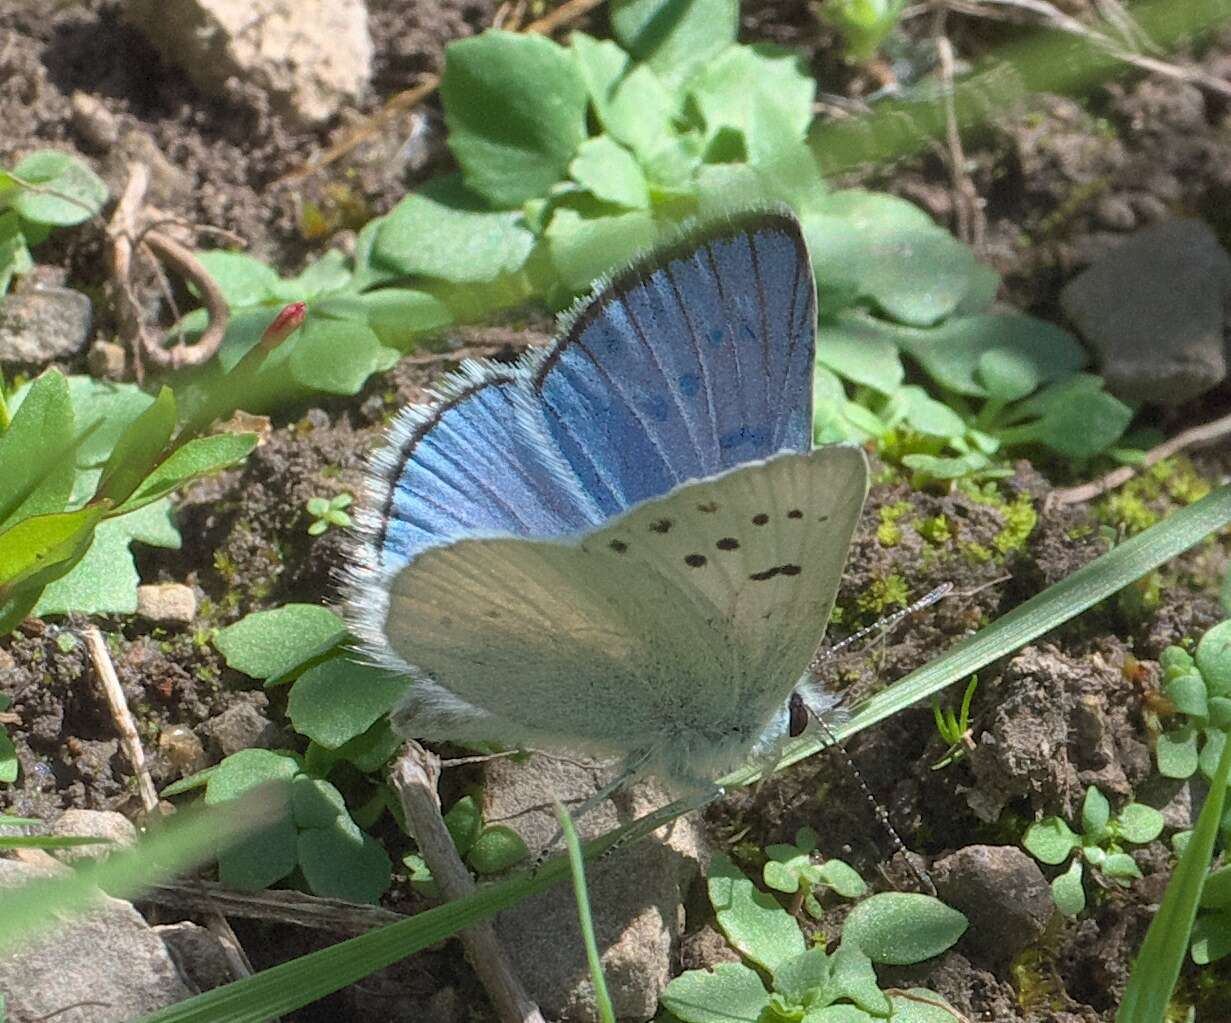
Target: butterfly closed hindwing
[[625, 544]]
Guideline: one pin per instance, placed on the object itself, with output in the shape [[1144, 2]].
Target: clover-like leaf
[[1140, 823], [1095, 813], [64, 190], [1068, 890], [271, 644], [1050, 840], [1176, 752], [339, 699]]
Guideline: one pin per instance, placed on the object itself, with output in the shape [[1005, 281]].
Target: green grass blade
[[1152, 981], [576, 862]]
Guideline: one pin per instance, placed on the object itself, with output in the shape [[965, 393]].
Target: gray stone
[[198, 953], [309, 57], [103, 966], [106, 360], [168, 603], [40, 326], [242, 726], [115, 827], [636, 893], [1003, 894], [1155, 311]]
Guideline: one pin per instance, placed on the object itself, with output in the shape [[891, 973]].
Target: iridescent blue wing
[[464, 466], [692, 362]]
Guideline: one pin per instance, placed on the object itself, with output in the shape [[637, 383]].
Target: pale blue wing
[[693, 362], [463, 467], [679, 627]]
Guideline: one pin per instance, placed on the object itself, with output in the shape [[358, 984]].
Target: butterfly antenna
[[882, 625], [882, 815]]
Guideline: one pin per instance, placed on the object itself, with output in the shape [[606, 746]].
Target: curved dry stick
[[1205, 433], [126, 241]]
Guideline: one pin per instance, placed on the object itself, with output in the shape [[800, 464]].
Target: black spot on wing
[[727, 543], [661, 526], [794, 513], [760, 519], [695, 560], [708, 508], [769, 573], [619, 546]]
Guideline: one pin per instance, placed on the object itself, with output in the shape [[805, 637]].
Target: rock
[[636, 893], [40, 326], [198, 954], [1155, 311], [104, 966], [93, 122], [242, 726], [1003, 894], [106, 360], [309, 56], [167, 603], [108, 824]]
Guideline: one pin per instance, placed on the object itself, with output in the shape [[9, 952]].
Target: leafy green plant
[[1211, 938], [955, 728], [1007, 382], [1100, 844], [87, 467], [791, 870], [326, 512], [864, 24], [1200, 689], [309, 832], [486, 848], [809, 983], [47, 189]]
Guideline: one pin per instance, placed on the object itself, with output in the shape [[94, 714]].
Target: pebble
[[167, 603], [42, 325]]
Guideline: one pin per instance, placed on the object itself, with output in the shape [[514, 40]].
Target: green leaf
[[641, 115], [675, 37], [864, 24], [1211, 939], [267, 855], [858, 349], [1082, 427], [751, 919], [339, 699], [601, 64], [1050, 840], [8, 759], [875, 246], [730, 993], [441, 232], [515, 107], [338, 356], [900, 928], [610, 173], [780, 877], [68, 192], [44, 547], [1214, 659], [271, 644], [242, 279], [1188, 693], [328, 274], [926, 415], [245, 770], [1216, 890], [400, 317], [36, 452], [370, 751], [497, 848], [1120, 866], [763, 92], [801, 978], [15, 256], [1139, 823], [464, 823], [1095, 813], [138, 449], [843, 879], [199, 457], [918, 1005], [583, 248], [1211, 751], [854, 978], [341, 862], [954, 353], [1068, 890], [1006, 374], [105, 580], [1176, 752]]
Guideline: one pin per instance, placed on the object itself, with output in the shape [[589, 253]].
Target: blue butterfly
[[624, 545]]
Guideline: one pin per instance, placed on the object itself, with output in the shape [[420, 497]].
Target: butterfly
[[623, 545]]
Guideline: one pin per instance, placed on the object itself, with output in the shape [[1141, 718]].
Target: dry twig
[[414, 777], [967, 204], [1205, 433], [131, 235]]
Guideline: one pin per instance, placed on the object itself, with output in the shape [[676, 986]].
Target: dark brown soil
[[1058, 183]]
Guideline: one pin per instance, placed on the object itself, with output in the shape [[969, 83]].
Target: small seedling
[[792, 870], [805, 983], [864, 24], [328, 512], [486, 848], [1100, 844], [1200, 690], [955, 728]]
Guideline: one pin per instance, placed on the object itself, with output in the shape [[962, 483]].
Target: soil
[[1060, 182]]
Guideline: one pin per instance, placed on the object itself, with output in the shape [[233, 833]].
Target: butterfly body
[[624, 545]]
